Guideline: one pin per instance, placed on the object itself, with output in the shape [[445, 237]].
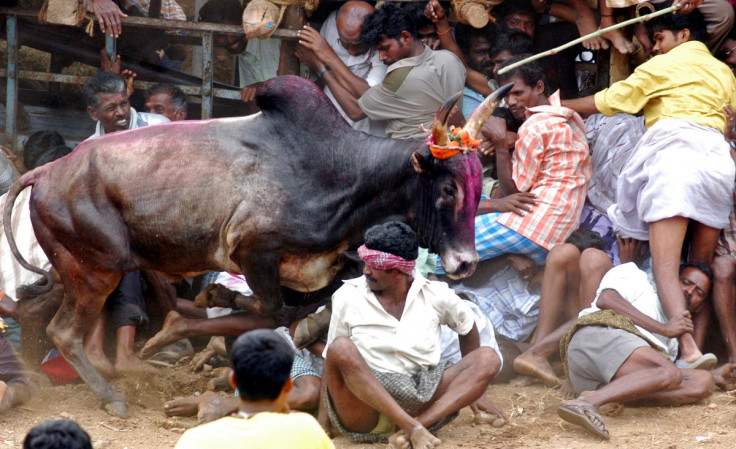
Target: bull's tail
[[37, 288]]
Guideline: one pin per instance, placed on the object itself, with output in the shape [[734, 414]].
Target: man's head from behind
[[695, 280], [670, 30], [392, 31], [43, 147], [107, 101], [57, 434], [530, 86], [167, 100], [261, 362], [350, 18]]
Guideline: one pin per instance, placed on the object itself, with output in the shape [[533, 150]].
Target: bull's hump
[[300, 102]]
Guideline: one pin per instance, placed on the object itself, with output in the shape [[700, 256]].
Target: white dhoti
[[678, 169]]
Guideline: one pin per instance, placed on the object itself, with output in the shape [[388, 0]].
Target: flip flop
[[584, 415], [705, 362]]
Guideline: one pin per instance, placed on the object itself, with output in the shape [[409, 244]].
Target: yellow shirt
[[262, 431], [686, 83]]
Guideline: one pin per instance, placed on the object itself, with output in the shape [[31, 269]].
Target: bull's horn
[[485, 109], [439, 127]]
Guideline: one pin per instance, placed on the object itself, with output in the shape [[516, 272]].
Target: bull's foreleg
[[262, 275], [82, 304]]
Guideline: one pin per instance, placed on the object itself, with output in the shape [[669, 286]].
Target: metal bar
[[207, 75], [232, 94], [111, 47], [145, 22], [11, 101]]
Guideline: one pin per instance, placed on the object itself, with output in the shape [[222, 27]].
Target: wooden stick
[[553, 51]]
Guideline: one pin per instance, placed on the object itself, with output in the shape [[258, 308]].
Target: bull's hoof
[[117, 409]]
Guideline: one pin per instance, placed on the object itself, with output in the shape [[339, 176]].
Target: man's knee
[[563, 254], [595, 259], [486, 362], [341, 350], [668, 377], [305, 393], [724, 268]]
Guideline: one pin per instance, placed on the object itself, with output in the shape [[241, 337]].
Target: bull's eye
[[448, 191]]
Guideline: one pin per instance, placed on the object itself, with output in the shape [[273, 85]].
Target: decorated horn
[[439, 127], [485, 109]]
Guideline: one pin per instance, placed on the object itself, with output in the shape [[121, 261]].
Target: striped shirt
[[169, 8], [551, 160]]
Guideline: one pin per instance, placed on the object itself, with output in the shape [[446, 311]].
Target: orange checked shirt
[[551, 160]]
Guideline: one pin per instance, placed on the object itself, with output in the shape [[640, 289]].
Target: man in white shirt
[[622, 348], [346, 66], [382, 368]]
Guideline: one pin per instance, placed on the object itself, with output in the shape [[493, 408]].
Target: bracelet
[[442, 33], [321, 72]]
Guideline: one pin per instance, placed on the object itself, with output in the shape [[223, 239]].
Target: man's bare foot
[[585, 21], [4, 404], [398, 441], [725, 377], [566, 390], [101, 363], [186, 406], [173, 326], [220, 383], [421, 438], [536, 366], [133, 364], [617, 38]]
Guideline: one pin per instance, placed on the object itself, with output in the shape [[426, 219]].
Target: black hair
[[388, 20], [261, 361], [43, 147], [221, 11], [178, 98], [57, 434], [694, 21], [463, 34], [514, 41], [416, 12], [102, 82], [509, 7], [531, 73], [586, 238], [395, 238], [698, 266]]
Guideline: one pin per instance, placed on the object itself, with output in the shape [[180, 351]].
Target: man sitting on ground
[[261, 363], [622, 348], [382, 362], [15, 385]]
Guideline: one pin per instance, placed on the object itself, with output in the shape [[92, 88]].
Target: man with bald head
[[347, 67]]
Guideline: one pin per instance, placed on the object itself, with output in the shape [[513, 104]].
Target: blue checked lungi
[[493, 239]]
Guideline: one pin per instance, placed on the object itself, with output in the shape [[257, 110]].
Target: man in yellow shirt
[[681, 170], [261, 364]]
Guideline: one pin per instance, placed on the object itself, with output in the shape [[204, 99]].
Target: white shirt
[[409, 345], [632, 284], [367, 66]]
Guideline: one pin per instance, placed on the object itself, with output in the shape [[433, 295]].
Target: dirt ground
[[533, 421]]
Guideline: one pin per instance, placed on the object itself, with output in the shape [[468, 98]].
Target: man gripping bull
[[382, 367]]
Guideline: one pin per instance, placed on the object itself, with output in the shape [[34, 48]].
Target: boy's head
[[57, 434], [261, 362], [670, 30]]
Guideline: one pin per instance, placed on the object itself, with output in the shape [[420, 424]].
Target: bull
[[276, 196]]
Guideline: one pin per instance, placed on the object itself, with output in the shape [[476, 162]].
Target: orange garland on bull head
[[459, 140]]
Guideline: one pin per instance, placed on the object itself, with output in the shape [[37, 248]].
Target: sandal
[[311, 328], [584, 415]]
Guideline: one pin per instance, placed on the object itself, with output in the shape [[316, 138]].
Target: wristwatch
[[322, 71]]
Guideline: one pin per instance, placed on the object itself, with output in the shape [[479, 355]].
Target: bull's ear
[[422, 165]]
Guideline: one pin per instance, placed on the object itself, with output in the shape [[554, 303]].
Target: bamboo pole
[[555, 50]]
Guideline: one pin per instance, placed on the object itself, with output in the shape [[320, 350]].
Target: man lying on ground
[[622, 348]]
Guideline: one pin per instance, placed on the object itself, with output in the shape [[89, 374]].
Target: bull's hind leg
[[84, 295]]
